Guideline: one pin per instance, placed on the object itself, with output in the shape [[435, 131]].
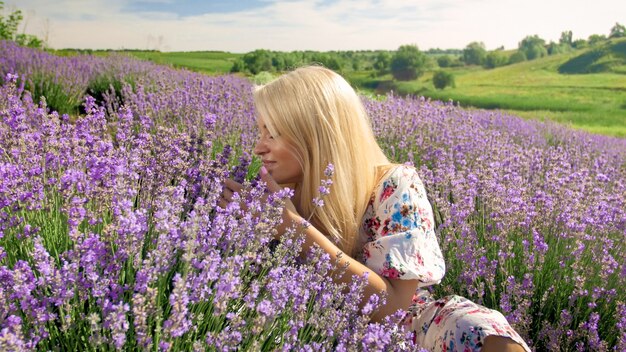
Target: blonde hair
[[321, 115]]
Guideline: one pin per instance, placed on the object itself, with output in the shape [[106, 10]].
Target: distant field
[[534, 89], [210, 62]]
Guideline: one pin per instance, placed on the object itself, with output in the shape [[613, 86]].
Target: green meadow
[[595, 102], [209, 62]]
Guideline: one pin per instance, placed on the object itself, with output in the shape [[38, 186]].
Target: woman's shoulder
[[395, 178], [398, 173]]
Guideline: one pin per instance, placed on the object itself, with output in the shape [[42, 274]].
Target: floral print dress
[[400, 243]]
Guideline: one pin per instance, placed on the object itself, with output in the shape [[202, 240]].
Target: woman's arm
[[399, 292]]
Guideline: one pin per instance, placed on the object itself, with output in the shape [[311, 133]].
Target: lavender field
[[110, 237]]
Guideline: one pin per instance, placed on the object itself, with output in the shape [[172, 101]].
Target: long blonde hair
[[321, 115]]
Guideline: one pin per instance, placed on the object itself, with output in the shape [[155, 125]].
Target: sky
[[241, 26]]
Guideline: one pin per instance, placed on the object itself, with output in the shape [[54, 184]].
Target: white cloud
[[319, 25]]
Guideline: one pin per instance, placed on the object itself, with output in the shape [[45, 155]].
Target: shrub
[[495, 59], [111, 237], [443, 79], [444, 61], [517, 57], [407, 63]]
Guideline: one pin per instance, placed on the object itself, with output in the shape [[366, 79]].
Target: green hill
[[585, 88], [595, 101], [608, 57]]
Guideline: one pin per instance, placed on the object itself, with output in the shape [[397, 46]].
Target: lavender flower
[[109, 227], [324, 188]]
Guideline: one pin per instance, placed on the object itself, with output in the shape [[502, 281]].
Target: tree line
[[404, 64], [409, 63]]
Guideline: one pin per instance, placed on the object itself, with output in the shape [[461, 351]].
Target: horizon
[[299, 25]]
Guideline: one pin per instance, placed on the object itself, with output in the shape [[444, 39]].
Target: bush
[[444, 61], [516, 57], [495, 59], [474, 53], [108, 86], [408, 63], [443, 79], [115, 240], [262, 77], [110, 236]]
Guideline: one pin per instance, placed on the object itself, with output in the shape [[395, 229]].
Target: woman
[[376, 218]]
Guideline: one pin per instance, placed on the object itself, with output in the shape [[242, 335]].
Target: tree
[[8, 30], [566, 38], [291, 60], [8, 26], [618, 31], [278, 62], [443, 79], [238, 66], [258, 60], [536, 52], [444, 61], [533, 47], [580, 43], [596, 38], [496, 59], [331, 61], [474, 53], [356, 63], [516, 57], [558, 48], [407, 63], [382, 62]]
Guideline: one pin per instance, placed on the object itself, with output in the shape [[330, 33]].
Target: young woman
[[376, 217]]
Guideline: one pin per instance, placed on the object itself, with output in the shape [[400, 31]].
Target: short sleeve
[[399, 223]]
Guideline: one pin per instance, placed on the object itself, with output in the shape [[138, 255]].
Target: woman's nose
[[260, 147]]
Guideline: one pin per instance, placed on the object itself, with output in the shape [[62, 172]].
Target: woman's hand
[[290, 214], [230, 188]]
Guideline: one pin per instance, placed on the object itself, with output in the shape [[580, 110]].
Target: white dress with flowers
[[401, 244]]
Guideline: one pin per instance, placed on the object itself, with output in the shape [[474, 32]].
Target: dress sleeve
[[400, 227]]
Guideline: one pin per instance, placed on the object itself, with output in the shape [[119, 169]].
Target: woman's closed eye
[[266, 135]]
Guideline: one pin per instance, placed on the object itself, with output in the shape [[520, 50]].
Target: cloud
[[312, 25]]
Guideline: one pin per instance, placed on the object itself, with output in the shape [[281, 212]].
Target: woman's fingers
[[271, 184], [230, 188], [272, 187], [225, 198], [232, 185]]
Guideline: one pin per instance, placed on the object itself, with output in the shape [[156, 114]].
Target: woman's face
[[278, 156]]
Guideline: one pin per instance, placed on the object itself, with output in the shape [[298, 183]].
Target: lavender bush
[[532, 217], [64, 81], [111, 238]]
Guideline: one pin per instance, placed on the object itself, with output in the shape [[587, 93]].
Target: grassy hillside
[[210, 62], [608, 57], [585, 88], [536, 89]]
